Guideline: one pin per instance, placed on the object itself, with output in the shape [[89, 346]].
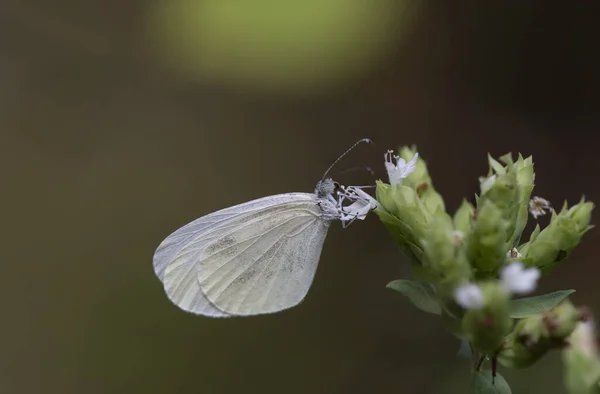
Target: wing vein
[[268, 293], [255, 239]]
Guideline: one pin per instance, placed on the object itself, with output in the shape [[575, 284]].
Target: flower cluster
[[470, 267]]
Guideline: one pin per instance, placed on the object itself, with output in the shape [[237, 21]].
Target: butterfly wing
[[177, 259], [267, 266]]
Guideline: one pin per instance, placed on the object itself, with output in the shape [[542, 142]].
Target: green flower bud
[[403, 236], [524, 170], [557, 241], [463, 218], [582, 360], [581, 213], [439, 243], [432, 200], [402, 202], [562, 320], [534, 336], [522, 346], [404, 216], [445, 256], [486, 247], [509, 188], [503, 193], [486, 327], [384, 195]]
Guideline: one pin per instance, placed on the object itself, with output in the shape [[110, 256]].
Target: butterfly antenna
[[366, 140], [364, 168]]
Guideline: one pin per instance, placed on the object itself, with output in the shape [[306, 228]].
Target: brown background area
[[104, 153]]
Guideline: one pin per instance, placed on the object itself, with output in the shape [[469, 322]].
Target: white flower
[[538, 206], [469, 296], [397, 172], [519, 280], [362, 204], [513, 254]]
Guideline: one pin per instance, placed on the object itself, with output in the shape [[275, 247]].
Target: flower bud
[[487, 326], [581, 213], [444, 254], [463, 218], [556, 242], [432, 200], [402, 202], [403, 236], [509, 188], [521, 347], [562, 319], [534, 336], [486, 247], [404, 216]]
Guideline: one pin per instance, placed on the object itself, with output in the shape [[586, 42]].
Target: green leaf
[[531, 306], [483, 383], [420, 294]]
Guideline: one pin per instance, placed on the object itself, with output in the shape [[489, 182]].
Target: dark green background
[[104, 152]]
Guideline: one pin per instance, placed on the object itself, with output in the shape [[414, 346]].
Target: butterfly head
[[326, 187]]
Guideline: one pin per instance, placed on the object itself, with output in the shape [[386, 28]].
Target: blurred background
[[120, 121]]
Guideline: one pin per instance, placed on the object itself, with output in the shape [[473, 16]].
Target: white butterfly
[[257, 257]]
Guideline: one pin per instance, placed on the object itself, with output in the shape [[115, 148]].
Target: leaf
[[525, 307], [420, 294], [483, 383]]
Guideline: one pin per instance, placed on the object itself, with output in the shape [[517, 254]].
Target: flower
[[469, 296], [519, 280], [538, 206], [362, 204], [513, 254], [397, 172]]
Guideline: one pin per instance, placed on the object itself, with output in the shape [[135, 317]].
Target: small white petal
[[401, 169], [469, 296], [362, 204], [518, 280]]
